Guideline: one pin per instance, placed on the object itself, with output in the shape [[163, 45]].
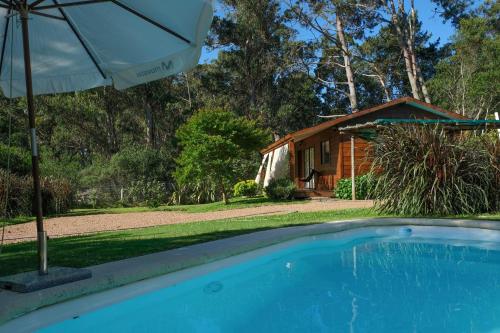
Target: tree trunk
[[411, 31], [224, 196], [409, 71], [188, 90], [380, 77], [347, 63], [150, 125], [421, 81], [403, 44], [384, 87]]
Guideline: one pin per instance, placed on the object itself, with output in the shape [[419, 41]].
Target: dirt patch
[[77, 225]]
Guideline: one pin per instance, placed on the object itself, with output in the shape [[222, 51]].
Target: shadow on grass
[[91, 250]]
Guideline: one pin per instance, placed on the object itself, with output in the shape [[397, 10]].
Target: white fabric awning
[[277, 164]]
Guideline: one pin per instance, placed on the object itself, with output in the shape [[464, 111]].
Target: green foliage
[[102, 182], [20, 159], [466, 82], [267, 71], [215, 143], [129, 164], [363, 183], [454, 10], [246, 188], [257, 72], [280, 189], [60, 167], [151, 193], [421, 170]]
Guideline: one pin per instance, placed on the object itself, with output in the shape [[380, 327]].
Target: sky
[[431, 22]]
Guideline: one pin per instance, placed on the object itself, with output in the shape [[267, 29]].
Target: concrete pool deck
[[114, 274]]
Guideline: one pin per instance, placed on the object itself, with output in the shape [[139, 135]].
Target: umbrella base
[[32, 281]]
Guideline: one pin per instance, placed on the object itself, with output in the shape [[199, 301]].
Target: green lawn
[[95, 249], [81, 251], [234, 203]]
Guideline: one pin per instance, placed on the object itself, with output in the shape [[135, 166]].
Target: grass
[[81, 251], [235, 203], [87, 250]]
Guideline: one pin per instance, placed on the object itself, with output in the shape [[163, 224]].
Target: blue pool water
[[397, 283]]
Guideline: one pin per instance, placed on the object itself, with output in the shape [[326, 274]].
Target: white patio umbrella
[[56, 46]]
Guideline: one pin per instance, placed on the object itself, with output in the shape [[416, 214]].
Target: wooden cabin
[[327, 148]]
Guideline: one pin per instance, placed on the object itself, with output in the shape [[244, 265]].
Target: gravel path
[[74, 225]]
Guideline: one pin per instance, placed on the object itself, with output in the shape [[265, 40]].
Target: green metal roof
[[369, 129], [469, 122]]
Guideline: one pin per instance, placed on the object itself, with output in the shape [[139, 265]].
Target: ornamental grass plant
[[429, 171]]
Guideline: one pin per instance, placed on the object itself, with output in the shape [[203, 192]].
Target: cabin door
[[308, 167]]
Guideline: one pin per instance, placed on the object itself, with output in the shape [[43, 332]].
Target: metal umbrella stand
[[35, 167], [103, 42]]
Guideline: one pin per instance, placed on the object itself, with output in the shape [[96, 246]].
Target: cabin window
[[325, 152]]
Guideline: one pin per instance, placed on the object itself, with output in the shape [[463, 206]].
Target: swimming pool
[[390, 279]]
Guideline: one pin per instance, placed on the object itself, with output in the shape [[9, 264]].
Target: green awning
[[451, 124]]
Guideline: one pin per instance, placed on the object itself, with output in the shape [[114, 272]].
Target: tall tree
[[453, 10], [405, 25], [339, 23], [256, 70], [250, 38], [216, 144], [467, 81]]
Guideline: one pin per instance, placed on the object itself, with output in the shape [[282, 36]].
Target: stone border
[[118, 273]]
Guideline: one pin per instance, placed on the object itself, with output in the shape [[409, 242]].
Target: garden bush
[[424, 170], [343, 190], [246, 188], [19, 199], [19, 159], [57, 195], [149, 192], [194, 192], [280, 189]]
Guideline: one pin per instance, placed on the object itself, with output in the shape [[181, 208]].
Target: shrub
[[343, 190], [280, 189], [193, 192], [423, 170], [20, 194], [57, 195], [20, 159], [247, 188], [151, 193]]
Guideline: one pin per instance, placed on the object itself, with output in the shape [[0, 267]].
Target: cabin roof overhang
[[310, 131]]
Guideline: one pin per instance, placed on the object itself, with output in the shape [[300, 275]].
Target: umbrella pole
[[35, 168]]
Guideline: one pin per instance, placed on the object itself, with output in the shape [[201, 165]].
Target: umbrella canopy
[[77, 45], [56, 46]]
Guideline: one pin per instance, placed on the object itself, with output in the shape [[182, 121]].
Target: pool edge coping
[[119, 273]]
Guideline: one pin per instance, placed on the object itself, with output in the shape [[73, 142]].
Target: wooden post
[[292, 163], [497, 117], [353, 170]]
